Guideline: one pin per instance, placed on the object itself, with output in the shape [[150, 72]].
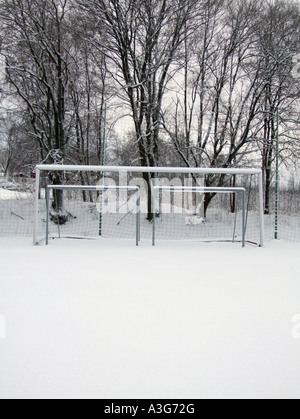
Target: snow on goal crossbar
[[219, 216]]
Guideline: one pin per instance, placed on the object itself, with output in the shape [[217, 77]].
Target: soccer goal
[[195, 219], [78, 219], [228, 206]]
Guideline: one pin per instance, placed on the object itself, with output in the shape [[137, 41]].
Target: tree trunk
[[58, 214], [147, 178], [233, 196], [268, 182], [208, 197], [56, 180]]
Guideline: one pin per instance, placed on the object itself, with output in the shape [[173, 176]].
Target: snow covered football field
[[104, 319]]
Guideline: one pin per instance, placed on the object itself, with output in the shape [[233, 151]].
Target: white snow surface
[[104, 319], [6, 194]]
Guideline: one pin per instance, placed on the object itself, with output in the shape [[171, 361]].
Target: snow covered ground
[[13, 195], [104, 319]]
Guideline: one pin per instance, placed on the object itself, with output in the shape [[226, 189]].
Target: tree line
[[205, 83]]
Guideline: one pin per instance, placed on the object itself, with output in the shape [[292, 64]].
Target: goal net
[[183, 204]]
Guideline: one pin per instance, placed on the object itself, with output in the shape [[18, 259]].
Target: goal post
[[133, 176], [200, 190]]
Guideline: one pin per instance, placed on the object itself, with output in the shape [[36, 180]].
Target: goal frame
[[94, 189], [158, 170], [202, 190]]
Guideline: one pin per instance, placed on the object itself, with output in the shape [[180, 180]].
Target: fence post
[[261, 209], [277, 179], [36, 206]]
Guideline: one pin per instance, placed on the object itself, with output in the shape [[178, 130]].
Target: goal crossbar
[[140, 169], [201, 190]]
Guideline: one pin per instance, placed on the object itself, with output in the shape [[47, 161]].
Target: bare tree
[[90, 92], [225, 91], [37, 51], [201, 79], [277, 44], [18, 152], [143, 39]]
